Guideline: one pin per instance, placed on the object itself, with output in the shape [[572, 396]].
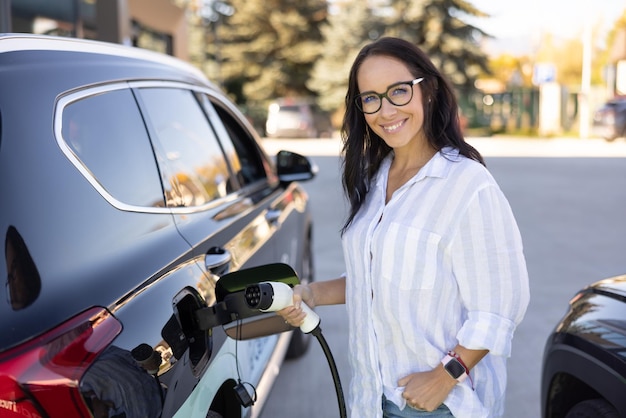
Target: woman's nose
[[387, 108]]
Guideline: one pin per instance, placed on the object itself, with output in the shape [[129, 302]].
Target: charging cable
[[317, 332], [240, 388], [274, 296]]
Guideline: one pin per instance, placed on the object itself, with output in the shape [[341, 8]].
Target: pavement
[[494, 146]]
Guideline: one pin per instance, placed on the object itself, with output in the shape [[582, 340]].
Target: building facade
[[159, 25]]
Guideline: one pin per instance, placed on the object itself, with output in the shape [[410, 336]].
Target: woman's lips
[[394, 127]]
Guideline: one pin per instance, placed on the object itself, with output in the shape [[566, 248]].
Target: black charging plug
[[242, 394]]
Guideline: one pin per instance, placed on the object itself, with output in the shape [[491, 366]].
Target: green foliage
[[274, 48], [267, 48], [438, 28], [347, 31], [616, 40]]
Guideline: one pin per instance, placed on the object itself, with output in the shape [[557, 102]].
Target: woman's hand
[[427, 390], [327, 292], [293, 315]]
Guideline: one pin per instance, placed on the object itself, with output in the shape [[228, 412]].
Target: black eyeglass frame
[[381, 96]]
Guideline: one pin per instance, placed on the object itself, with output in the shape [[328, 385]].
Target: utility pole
[[585, 84]]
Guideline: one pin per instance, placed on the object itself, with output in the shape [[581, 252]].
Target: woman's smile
[[394, 127]]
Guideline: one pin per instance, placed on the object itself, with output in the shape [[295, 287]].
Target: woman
[[436, 280]]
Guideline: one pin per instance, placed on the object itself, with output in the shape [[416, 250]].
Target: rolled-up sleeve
[[490, 269]]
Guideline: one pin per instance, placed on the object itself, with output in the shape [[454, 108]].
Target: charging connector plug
[[243, 396], [274, 296]]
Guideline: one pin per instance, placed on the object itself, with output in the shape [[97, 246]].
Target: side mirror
[[294, 167], [232, 311]]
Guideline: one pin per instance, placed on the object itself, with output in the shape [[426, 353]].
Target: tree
[[616, 41], [615, 52], [347, 30], [434, 25], [511, 71], [267, 48], [437, 27], [567, 56]]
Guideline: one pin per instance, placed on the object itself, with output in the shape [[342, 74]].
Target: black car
[[584, 363], [609, 120], [130, 185]]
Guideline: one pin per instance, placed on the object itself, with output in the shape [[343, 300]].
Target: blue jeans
[[391, 410]]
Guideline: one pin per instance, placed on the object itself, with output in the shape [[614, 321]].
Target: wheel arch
[[571, 375], [225, 401]]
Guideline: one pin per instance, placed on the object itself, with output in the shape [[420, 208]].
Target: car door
[[217, 214], [283, 205], [224, 205]]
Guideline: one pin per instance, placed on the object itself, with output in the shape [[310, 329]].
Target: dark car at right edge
[[609, 120], [584, 363]]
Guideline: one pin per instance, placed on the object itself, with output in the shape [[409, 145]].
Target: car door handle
[[272, 216], [217, 260]]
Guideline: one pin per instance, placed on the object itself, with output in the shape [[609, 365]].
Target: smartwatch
[[454, 367]]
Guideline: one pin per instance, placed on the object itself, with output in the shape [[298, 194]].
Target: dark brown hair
[[364, 150]]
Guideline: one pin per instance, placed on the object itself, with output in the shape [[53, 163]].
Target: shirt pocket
[[410, 257]]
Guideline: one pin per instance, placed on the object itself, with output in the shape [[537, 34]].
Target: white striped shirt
[[440, 264]]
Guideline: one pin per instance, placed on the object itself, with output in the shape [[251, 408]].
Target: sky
[[518, 23]]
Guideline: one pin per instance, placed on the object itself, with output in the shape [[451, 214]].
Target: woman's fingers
[[292, 315]]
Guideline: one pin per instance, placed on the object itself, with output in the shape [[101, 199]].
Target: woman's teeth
[[393, 127]]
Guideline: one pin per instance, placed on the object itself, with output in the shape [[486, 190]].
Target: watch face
[[454, 368]]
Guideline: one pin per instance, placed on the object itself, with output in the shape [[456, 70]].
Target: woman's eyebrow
[[388, 87]]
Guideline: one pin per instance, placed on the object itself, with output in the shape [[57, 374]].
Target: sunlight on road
[[555, 147], [308, 147], [489, 147]]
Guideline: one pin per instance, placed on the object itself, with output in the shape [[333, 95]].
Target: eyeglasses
[[398, 94]]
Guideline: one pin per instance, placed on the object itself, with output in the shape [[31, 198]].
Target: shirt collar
[[438, 166]]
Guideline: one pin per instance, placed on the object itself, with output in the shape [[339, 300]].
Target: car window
[[189, 155], [106, 133], [239, 145]]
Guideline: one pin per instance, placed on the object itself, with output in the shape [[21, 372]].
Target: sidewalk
[[503, 146], [495, 146]]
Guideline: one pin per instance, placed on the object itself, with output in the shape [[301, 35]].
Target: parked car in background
[[584, 362], [297, 118], [609, 121], [129, 185]]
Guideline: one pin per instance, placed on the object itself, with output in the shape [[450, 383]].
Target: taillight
[[41, 377]]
